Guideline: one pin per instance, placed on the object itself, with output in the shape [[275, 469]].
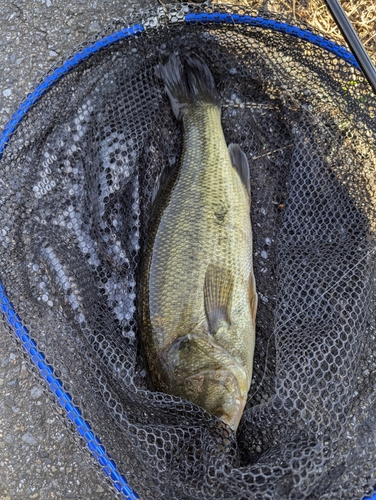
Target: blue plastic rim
[[136, 29], [63, 398]]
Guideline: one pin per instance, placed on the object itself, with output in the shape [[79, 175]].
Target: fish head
[[202, 371]]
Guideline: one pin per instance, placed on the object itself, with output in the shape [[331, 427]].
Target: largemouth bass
[[198, 297]]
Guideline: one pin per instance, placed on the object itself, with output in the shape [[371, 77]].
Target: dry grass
[[362, 14]]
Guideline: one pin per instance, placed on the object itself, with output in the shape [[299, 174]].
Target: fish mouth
[[218, 392], [233, 420]]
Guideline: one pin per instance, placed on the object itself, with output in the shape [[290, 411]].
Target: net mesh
[[75, 194]]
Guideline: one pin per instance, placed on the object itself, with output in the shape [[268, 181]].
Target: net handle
[[351, 37]]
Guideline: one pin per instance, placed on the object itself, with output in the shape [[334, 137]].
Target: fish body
[[198, 297]]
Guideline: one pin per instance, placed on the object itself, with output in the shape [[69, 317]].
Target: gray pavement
[[38, 457]]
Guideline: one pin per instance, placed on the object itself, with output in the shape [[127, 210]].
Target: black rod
[[356, 46]]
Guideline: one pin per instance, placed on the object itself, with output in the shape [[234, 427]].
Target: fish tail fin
[[200, 80], [192, 83]]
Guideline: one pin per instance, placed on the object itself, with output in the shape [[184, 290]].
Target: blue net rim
[[56, 386], [136, 29]]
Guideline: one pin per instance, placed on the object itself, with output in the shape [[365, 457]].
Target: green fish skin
[[198, 297]]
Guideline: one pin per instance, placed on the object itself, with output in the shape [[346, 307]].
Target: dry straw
[[362, 14]]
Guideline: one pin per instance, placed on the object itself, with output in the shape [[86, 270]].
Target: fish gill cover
[[76, 187]]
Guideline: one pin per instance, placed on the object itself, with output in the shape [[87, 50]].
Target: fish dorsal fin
[[253, 297], [218, 287], [240, 162]]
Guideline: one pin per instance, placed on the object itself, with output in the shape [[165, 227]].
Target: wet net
[[75, 193]]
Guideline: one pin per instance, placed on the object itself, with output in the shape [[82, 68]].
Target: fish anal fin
[[253, 297], [240, 163], [162, 181], [218, 287]]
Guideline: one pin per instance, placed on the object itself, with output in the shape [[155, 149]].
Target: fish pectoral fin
[[240, 163], [218, 287], [253, 297]]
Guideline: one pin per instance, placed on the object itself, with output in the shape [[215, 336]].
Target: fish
[[198, 296]]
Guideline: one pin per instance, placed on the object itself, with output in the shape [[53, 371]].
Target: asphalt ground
[[39, 459]]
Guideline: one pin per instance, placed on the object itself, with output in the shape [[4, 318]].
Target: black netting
[[75, 190]]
